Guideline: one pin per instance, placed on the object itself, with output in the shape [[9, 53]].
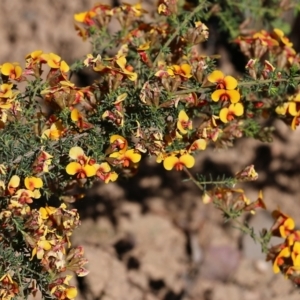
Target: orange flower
[[183, 122], [227, 113], [224, 95], [185, 160], [222, 81], [12, 70]]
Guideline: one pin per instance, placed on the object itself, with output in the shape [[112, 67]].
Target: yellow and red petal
[[224, 95], [104, 167], [292, 108], [237, 109], [32, 183], [76, 152], [296, 254], [75, 115], [199, 144], [282, 109], [284, 253], [223, 114], [71, 292], [133, 156], [230, 82], [80, 17], [64, 67], [89, 170], [170, 162], [73, 168], [186, 69], [217, 95], [119, 142], [14, 181], [234, 96], [183, 122], [7, 69], [187, 160], [215, 76]]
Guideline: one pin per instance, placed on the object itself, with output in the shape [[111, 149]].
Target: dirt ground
[[150, 237]]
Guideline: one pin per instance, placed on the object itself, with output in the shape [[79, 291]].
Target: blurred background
[[150, 237]]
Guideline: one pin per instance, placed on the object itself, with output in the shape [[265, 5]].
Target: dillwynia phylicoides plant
[[155, 94]]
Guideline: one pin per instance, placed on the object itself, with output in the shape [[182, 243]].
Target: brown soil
[[150, 237]]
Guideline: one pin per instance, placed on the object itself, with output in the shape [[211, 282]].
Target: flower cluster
[[286, 256], [227, 94], [154, 95]]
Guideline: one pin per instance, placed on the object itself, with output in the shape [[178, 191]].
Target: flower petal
[[187, 160], [215, 76], [76, 152], [170, 162], [230, 82], [73, 168]]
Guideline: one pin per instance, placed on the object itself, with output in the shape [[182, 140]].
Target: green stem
[[193, 179], [253, 82], [241, 226], [176, 32]]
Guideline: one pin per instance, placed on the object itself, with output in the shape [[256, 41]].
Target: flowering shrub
[[156, 95]]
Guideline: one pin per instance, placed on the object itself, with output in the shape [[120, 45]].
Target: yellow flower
[[184, 70], [185, 160], [279, 35], [224, 95], [6, 90], [40, 248], [12, 70], [222, 81], [13, 184], [296, 254], [119, 143], [77, 153], [85, 17], [79, 119], [47, 211], [284, 224], [82, 171], [227, 114], [183, 122], [105, 174], [199, 144], [130, 156], [55, 131], [32, 183], [279, 260]]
